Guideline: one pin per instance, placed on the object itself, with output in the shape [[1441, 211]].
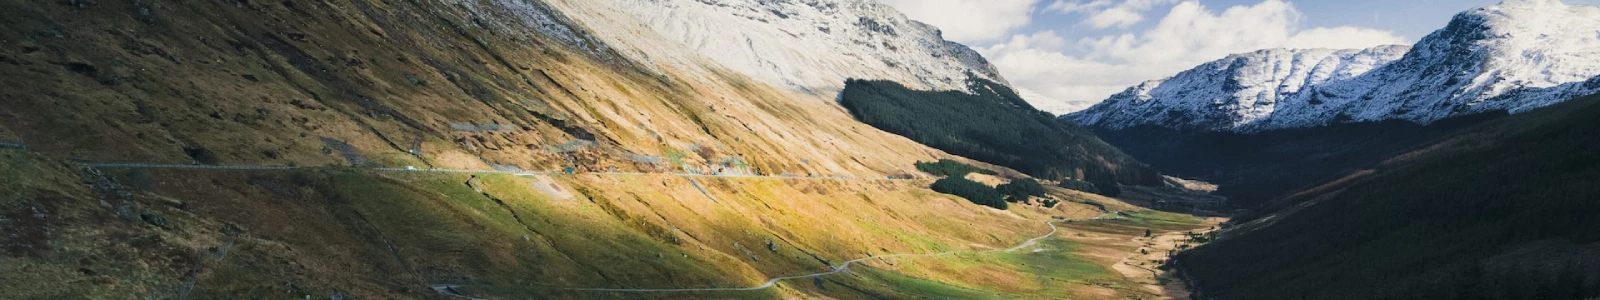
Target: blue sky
[[1064, 55]]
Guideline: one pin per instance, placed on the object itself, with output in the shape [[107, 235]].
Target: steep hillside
[[469, 85], [809, 46], [364, 234], [994, 125], [1516, 56], [372, 234], [392, 150], [1503, 211]]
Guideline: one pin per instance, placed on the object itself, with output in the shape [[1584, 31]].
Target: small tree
[[1020, 189], [1146, 233]]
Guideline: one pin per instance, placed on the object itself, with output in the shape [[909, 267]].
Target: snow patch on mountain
[[1234, 91], [811, 46], [1516, 56]]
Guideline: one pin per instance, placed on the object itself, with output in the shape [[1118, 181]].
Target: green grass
[[1050, 273], [1156, 219], [345, 221], [674, 156], [1053, 269], [1057, 261], [22, 172], [902, 286], [914, 241]]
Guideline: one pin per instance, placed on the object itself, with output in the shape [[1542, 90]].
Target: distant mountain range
[[1513, 57]]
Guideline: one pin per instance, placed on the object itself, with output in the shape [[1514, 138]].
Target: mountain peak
[[1237, 90], [1514, 57], [1532, 16], [1531, 3], [810, 46]]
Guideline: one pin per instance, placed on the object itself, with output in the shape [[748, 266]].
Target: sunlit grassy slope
[[464, 85], [353, 232]]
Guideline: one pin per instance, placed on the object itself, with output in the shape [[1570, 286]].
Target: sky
[[1065, 55]]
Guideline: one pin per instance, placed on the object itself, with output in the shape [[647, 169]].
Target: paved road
[[835, 269], [416, 170], [4, 145]]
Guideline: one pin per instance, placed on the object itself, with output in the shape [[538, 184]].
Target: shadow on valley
[[1254, 168], [994, 125], [1504, 210]]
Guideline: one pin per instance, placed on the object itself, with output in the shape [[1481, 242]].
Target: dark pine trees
[[973, 191], [994, 125]]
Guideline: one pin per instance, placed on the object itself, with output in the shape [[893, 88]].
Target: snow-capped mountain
[[811, 46], [1234, 91], [1515, 56]]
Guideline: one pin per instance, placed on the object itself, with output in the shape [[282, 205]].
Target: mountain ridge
[[1236, 90], [840, 39], [1515, 56]]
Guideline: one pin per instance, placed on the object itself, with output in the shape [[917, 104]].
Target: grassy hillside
[[423, 83], [340, 87], [996, 126], [381, 235], [1505, 210]]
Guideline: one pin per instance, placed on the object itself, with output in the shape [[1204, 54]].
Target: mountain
[[1253, 168], [512, 84], [1502, 210], [502, 149], [815, 47], [811, 46], [1234, 91], [1515, 56]]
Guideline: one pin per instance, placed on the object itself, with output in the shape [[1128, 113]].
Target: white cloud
[[969, 21], [1106, 13], [1078, 6], [1190, 34], [1117, 16]]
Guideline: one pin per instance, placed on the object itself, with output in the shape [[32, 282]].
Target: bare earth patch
[[1143, 265]]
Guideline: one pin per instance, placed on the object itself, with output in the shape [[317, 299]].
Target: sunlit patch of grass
[[1054, 271], [896, 285], [1160, 220]]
